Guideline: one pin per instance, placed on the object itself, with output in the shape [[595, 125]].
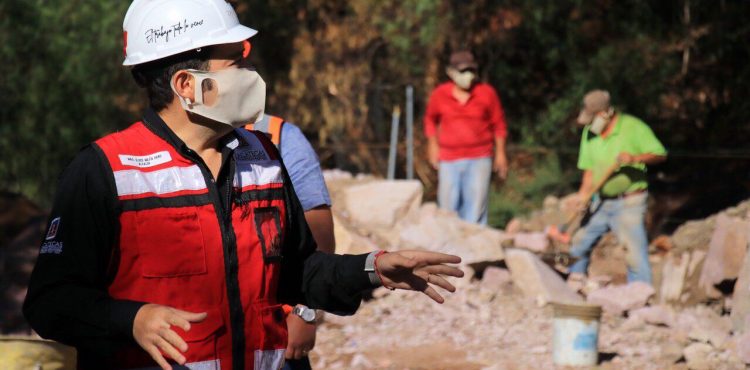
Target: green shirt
[[630, 135]]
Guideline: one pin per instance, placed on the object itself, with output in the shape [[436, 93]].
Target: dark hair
[[155, 76]]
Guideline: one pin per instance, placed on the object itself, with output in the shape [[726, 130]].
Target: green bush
[[526, 188]]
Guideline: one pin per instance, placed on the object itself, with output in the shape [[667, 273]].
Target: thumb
[[192, 316]]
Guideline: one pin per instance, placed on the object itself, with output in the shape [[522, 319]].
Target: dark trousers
[[301, 364]]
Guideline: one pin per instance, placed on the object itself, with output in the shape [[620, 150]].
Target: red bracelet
[[377, 255]]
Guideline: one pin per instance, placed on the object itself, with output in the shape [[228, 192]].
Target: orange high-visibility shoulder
[[271, 126], [274, 128]]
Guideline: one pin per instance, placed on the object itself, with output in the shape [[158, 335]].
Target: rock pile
[[498, 318]]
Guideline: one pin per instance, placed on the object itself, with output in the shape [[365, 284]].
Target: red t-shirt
[[465, 130]]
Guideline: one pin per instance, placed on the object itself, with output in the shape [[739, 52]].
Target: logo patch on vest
[[268, 226], [250, 155], [142, 161]]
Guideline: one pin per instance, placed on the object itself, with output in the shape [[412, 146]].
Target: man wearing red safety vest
[[175, 241]]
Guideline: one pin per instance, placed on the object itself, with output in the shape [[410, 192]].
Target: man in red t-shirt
[[466, 131]]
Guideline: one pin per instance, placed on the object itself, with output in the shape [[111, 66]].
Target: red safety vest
[[174, 248]]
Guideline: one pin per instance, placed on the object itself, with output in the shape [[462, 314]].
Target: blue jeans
[[624, 216], [464, 186]]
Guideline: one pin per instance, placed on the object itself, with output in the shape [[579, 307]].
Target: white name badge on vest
[[149, 160]]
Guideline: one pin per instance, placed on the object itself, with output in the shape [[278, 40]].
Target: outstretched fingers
[[435, 258], [432, 293], [441, 282], [443, 270]]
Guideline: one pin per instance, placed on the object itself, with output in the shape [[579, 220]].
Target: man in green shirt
[[611, 137]]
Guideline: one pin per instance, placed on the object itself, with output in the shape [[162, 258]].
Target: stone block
[[537, 280], [621, 298], [673, 275], [742, 348], [535, 242], [726, 251], [348, 241], [697, 356], [441, 231], [654, 315], [382, 203], [741, 298], [495, 277]]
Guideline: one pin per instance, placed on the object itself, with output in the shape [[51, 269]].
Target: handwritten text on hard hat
[[164, 33]]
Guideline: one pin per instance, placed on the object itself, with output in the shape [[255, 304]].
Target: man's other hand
[[301, 337], [500, 165], [625, 158], [418, 270], [433, 152], [152, 330]]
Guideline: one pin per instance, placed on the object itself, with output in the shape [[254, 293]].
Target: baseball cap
[[595, 101], [462, 59]]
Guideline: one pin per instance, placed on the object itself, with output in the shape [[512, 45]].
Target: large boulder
[[348, 241], [537, 280], [379, 207], [533, 241], [442, 231], [382, 203], [741, 300], [726, 252]]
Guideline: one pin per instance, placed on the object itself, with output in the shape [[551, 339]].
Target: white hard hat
[[155, 29]]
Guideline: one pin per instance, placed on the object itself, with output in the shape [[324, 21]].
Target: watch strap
[[371, 269]]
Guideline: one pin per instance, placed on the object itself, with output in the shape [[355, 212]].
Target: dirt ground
[[480, 328]]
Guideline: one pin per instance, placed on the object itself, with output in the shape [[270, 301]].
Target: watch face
[[307, 314]]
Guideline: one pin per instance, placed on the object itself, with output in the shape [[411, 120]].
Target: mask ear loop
[[198, 89], [199, 78]]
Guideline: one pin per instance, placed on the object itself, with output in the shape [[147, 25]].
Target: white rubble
[[621, 298]]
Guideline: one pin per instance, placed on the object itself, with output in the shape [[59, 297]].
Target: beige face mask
[[241, 96]]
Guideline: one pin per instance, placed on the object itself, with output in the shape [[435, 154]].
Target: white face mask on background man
[[600, 121], [241, 96], [464, 79]]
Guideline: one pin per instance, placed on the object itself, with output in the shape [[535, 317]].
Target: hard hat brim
[[237, 33]]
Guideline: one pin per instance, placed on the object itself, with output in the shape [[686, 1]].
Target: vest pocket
[[202, 338], [170, 242]]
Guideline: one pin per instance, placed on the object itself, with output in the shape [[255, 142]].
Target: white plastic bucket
[[576, 334]]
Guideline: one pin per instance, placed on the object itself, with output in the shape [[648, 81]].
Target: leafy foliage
[[61, 86], [337, 68]]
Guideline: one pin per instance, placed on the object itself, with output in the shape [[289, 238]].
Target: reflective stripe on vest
[[271, 125], [175, 250]]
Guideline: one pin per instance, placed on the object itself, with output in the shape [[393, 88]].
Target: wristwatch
[[307, 314], [372, 274]]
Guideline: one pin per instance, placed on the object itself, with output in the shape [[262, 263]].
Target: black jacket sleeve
[[67, 300], [330, 282]]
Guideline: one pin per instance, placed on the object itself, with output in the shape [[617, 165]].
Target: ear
[[450, 71], [183, 84]]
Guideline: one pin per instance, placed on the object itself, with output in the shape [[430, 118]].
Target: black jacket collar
[[153, 121]]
